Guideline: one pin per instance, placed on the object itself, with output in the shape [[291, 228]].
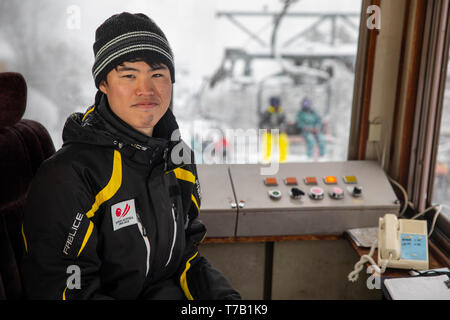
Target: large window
[[241, 66], [441, 193], [284, 78]]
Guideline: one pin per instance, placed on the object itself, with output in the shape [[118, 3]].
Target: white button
[[275, 194]]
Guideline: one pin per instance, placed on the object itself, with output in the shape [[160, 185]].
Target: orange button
[[310, 180], [330, 180], [291, 181], [270, 182]]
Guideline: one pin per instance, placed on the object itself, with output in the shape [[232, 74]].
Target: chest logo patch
[[123, 214]]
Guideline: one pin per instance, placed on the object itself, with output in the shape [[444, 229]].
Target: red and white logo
[[123, 214]]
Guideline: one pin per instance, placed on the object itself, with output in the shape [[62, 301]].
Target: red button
[[270, 182], [290, 181], [310, 180]]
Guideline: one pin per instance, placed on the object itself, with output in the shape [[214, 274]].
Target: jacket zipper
[[143, 232], [174, 233]]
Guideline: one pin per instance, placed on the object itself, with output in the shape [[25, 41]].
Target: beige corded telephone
[[402, 243]]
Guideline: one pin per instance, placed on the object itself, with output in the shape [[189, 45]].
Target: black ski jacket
[[114, 214]]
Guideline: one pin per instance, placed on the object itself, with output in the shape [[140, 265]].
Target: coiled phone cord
[[354, 275]]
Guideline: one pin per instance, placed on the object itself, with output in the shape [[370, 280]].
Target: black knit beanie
[[126, 36]]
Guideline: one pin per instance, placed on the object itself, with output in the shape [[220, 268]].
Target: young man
[[111, 215]]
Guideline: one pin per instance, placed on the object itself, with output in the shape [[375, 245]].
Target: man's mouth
[[146, 104]]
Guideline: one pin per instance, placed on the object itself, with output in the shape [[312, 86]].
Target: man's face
[[139, 94]]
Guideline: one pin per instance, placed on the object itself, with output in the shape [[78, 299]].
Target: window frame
[[418, 113], [434, 89]]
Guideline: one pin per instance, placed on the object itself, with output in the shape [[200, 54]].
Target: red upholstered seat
[[24, 144]]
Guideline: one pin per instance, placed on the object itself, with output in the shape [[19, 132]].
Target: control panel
[[218, 209], [301, 198]]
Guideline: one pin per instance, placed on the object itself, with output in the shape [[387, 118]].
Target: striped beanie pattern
[[126, 36]]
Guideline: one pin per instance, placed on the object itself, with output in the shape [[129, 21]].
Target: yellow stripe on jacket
[[86, 237], [195, 202], [89, 111], [24, 240], [184, 174], [183, 279], [111, 188], [64, 294]]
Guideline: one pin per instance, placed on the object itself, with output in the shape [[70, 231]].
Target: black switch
[[296, 193], [357, 191]]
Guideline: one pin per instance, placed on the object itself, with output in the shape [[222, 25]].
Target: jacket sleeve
[[60, 258], [198, 279]]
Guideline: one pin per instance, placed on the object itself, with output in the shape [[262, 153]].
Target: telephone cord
[[354, 275]]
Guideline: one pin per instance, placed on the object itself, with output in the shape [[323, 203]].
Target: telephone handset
[[388, 242], [402, 244]]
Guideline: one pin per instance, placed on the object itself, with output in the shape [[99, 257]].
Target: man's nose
[[145, 86]]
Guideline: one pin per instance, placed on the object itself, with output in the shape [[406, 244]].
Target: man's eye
[[129, 76], [157, 75]]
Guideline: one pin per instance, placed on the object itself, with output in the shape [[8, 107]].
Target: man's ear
[[103, 87]]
